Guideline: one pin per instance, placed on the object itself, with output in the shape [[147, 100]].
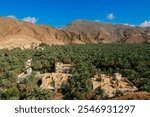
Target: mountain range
[[15, 33]]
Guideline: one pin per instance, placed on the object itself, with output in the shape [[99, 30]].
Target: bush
[[10, 94], [118, 93]]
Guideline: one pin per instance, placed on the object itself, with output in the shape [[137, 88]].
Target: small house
[[63, 68]]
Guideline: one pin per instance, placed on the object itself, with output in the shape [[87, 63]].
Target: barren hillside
[[14, 33], [107, 33]]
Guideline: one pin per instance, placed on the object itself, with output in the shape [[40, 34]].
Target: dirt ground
[[58, 96], [134, 96]]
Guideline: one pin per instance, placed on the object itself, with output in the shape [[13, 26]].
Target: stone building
[[112, 84], [62, 68], [53, 81]]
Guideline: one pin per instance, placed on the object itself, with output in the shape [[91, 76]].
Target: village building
[[53, 81], [112, 84], [63, 68], [63, 72]]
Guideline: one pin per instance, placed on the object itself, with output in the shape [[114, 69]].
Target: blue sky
[[61, 12]]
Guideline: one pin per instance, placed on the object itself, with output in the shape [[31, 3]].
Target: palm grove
[[131, 60]]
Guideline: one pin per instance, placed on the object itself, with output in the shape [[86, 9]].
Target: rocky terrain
[[14, 33]]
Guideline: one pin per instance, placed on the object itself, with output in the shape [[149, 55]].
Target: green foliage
[[78, 87], [38, 94], [132, 60], [10, 94], [100, 93], [118, 93], [27, 85]]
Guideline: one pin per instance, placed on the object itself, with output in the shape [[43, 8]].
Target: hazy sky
[[61, 12]]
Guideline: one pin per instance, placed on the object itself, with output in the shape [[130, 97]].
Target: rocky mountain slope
[[107, 33], [14, 33]]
